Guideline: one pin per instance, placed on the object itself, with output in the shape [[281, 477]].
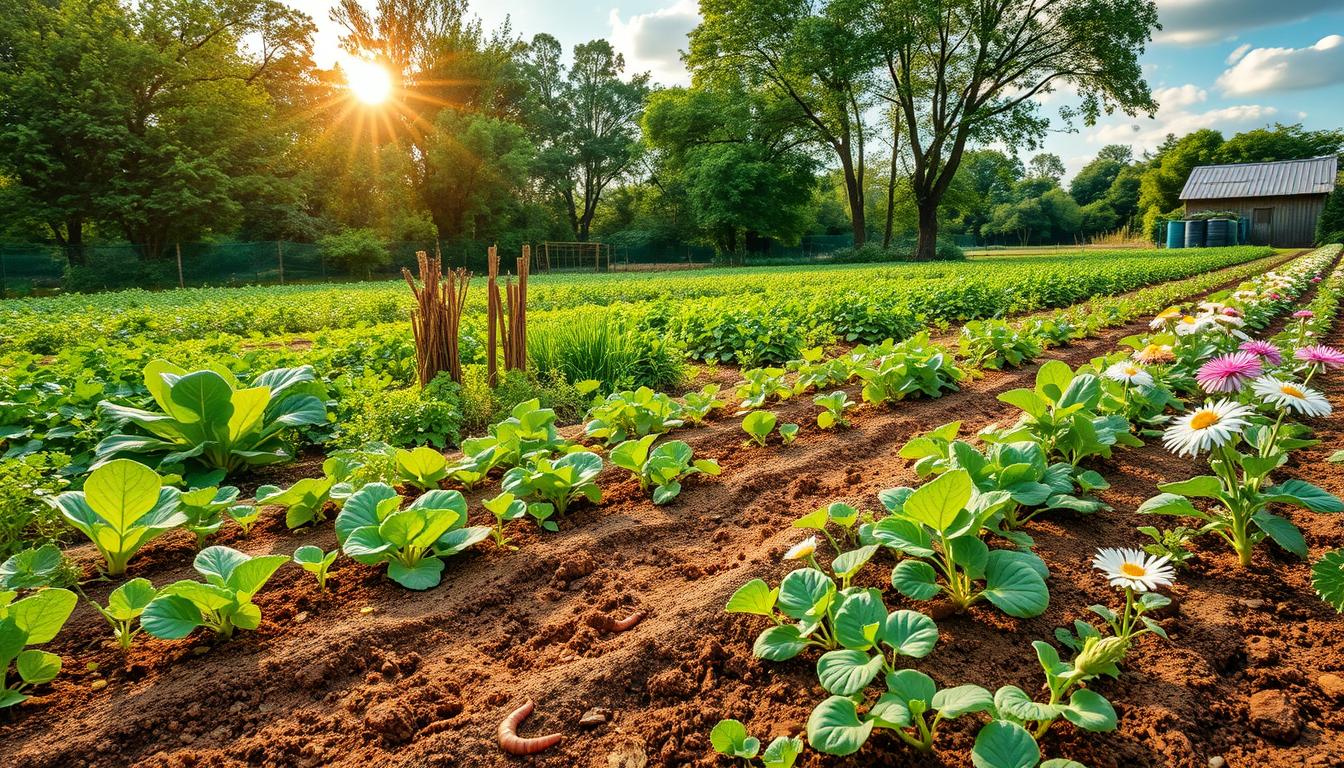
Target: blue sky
[[1225, 64]]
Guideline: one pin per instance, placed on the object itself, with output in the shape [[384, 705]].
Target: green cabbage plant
[[204, 508], [306, 500], [422, 467], [221, 604], [632, 414], [663, 467], [124, 607], [34, 620], [124, 505], [557, 482], [209, 418], [373, 528]]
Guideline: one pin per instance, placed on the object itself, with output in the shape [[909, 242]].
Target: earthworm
[[511, 742], [628, 622]]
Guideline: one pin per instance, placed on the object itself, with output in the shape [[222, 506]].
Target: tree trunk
[[891, 200], [854, 194], [926, 249]]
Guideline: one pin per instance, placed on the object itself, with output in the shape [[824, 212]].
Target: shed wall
[[1294, 217]]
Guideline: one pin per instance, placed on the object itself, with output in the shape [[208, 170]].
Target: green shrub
[[610, 351], [356, 251], [871, 253], [406, 417], [116, 268], [25, 521]]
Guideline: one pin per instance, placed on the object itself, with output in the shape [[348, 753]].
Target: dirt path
[[423, 679]]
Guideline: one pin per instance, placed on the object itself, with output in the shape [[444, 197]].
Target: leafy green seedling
[[661, 468], [246, 516], [373, 529], [938, 527], [837, 513], [912, 707], [835, 405], [729, 737], [506, 508], [33, 568], [304, 502], [221, 604], [557, 482], [124, 505], [34, 620], [423, 467], [124, 608], [313, 560], [204, 509], [697, 405]]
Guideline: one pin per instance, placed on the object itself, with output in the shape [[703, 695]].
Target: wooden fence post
[[181, 282], [280, 257]]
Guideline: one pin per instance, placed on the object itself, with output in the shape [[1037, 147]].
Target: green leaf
[[1013, 702], [1284, 533], [847, 564], [961, 700], [122, 491], [1327, 577], [423, 575], [1014, 587], [37, 667], [1170, 504], [1027, 400], [1001, 744], [1206, 486], [130, 599], [170, 617], [834, 727], [860, 620], [801, 591], [910, 633], [783, 752], [846, 672], [912, 685], [666, 493], [755, 597], [937, 502], [1302, 493], [730, 738], [1090, 711], [41, 615], [779, 643], [891, 711], [915, 579]]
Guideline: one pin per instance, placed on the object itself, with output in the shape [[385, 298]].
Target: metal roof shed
[[1282, 199]]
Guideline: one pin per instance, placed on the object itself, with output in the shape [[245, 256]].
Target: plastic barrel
[[1244, 230], [1175, 234], [1218, 234], [1195, 230]]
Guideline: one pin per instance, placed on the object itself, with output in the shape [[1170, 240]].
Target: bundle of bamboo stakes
[[439, 301], [508, 321]]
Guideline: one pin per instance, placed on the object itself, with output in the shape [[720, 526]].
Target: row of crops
[[65, 355], [1199, 379]]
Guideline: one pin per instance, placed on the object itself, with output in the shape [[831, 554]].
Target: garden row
[[1071, 416]]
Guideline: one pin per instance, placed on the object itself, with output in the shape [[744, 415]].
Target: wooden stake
[[436, 318]]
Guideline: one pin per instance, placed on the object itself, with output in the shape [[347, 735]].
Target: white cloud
[[653, 41], [1149, 134], [1281, 69], [1206, 21], [1238, 52], [1179, 96]]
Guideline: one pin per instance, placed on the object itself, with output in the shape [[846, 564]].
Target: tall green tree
[[1094, 179], [815, 55], [1281, 142], [1161, 183], [968, 69], [476, 166]]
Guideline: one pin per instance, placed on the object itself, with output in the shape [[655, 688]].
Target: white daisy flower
[[1291, 397], [1129, 373], [1188, 326], [1132, 569], [802, 549], [1164, 317], [1209, 426]]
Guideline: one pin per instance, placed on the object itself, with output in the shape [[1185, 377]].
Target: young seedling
[[124, 505], [423, 467], [124, 607], [912, 708], [697, 405], [762, 384], [938, 527], [557, 482], [221, 604], [34, 620], [661, 468], [1171, 543], [759, 424], [246, 516], [313, 560], [204, 509], [628, 415], [838, 513], [730, 738], [506, 508], [373, 529], [305, 502], [1083, 707], [835, 405]]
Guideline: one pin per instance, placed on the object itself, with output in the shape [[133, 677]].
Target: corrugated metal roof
[[1289, 177]]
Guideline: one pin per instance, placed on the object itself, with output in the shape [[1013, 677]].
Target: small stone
[[1253, 603], [1274, 716], [98, 685], [594, 717], [92, 666], [1331, 685], [366, 609], [1260, 651], [1217, 762], [200, 650], [300, 617]]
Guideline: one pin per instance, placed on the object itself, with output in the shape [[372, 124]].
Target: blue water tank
[[1195, 230], [1175, 234], [1244, 230], [1219, 233]]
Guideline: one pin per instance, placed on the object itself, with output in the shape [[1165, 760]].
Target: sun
[[368, 81]]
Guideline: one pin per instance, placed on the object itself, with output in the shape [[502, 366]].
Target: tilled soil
[[376, 675]]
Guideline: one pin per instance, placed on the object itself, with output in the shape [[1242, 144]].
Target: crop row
[[209, 420]]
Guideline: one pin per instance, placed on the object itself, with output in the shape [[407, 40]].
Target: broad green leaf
[[1170, 504], [1327, 577], [1304, 494], [754, 597], [937, 502], [1203, 486], [910, 633], [860, 620], [37, 667], [847, 564], [779, 643], [1026, 400], [130, 599], [1284, 533], [846, 672], [915, 579], [891, 711], [802, 590], [730, 738], [1014, 587], [423, 575], [170, 617], [783, 752], [1013, 702], [912, 685], [1090, 711], [1001, 744], [122, 491], [961, 700], [42, 614], [834, 727]]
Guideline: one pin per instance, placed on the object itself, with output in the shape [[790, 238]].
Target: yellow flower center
[[1133, 570], [1291, 391], [1204, 420], [1131, 371], [1187, 319]]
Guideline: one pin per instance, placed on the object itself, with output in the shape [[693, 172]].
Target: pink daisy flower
[[1321, 355], [1316, 279], [1267, 352], [1229, 372], [1304, 314]]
